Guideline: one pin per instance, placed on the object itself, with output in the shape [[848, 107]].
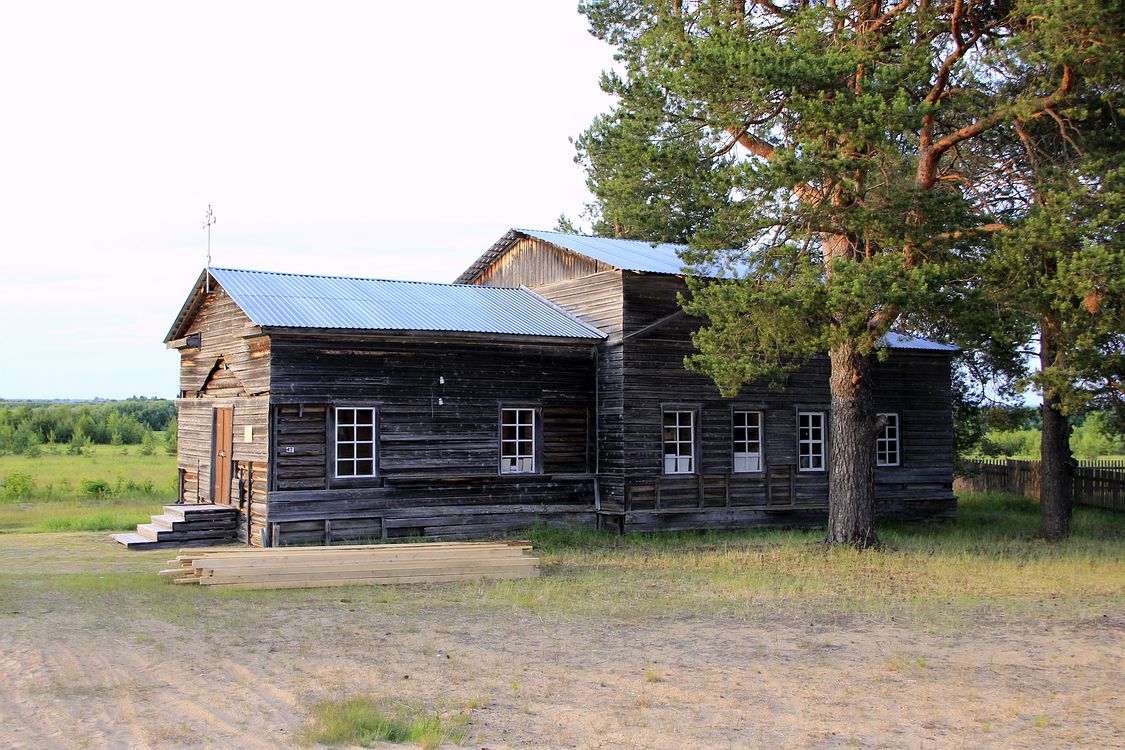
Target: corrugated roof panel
[[905, 341], [628, 255], [281, 300]]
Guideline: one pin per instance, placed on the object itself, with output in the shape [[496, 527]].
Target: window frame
[[692, 442], [822, 442], [333, 419], [536, 437], [881, 439], [761, 439]]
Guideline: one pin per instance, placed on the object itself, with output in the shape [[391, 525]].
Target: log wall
[[915, 385], [437, 452]]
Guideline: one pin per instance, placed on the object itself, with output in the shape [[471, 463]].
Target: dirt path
[[73, 679]]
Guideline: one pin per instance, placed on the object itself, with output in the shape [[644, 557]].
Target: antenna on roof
[[207, 225]]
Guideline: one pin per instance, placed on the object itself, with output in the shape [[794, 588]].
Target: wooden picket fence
[[1098, 484]]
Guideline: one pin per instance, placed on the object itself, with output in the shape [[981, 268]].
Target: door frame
[[228, 459]]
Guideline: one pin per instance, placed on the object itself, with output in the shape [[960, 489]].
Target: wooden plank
[[494, 575], [315, 573]]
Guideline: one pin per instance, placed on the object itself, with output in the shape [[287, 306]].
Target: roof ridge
[[359, 278], [649, 243]]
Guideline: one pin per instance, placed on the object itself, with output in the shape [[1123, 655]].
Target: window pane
[[517, 441], [678, 439], [355, 442]]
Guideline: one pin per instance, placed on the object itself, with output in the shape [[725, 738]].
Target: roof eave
[[397, 334], [490, 256], [190, 308]]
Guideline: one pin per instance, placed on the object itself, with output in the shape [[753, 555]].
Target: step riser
[[147, 544], [174, 525], [158, 535], [191, 513]]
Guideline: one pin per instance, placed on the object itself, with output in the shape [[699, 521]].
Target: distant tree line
[[26, 425], [999, 431]]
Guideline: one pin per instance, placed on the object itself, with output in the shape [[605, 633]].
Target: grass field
[[968, 633], [57, 475], [58, 497]]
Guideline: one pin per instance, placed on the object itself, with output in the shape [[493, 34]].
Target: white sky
[[396, 140]]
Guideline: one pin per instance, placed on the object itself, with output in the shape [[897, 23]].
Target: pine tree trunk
[[1055, 490], [851, 465]]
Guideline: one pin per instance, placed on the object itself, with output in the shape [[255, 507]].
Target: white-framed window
[[679, 442], [811, 429], [355, 442], [747, 441], [517, 441], [887, 443]]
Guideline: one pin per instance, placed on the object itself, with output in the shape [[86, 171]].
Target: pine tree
[[818, 157]]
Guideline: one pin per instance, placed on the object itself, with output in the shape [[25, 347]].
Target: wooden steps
[[305, 567], [184, 525]]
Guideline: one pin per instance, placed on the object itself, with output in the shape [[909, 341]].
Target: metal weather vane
[[210, 222]]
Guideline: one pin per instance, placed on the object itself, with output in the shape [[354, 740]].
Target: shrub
[[171, 437], [18, 486], [1007, 443], [96, 489], [148, 443]]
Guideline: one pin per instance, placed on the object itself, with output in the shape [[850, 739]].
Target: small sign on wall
[[248, 433]]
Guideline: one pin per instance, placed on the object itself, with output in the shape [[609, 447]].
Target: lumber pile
[[306, 567]]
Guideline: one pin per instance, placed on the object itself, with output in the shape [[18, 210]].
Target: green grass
[[364, 720], [989, 557], [58, 476], [76, 515], [986, 563]]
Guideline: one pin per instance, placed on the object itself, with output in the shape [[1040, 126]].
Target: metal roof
[[286, 300], [626, 255], [905, 341]]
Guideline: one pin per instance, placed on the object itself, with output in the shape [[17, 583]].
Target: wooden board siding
[[230, 370], [195, 419], [222, 327], [437, 442], [596, 299], [532, 262]]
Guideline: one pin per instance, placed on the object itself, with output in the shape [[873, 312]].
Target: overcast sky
[[395, 140]]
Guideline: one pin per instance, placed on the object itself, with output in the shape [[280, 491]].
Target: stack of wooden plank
[[305, 567]]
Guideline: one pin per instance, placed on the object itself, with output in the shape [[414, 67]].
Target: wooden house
[[546, 386]]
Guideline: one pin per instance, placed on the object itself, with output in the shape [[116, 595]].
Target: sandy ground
[[88, 677]]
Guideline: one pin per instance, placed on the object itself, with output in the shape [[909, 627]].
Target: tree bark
[[1055, 490], [851, 477]]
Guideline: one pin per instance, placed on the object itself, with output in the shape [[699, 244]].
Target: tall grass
[[106, 515], [364, 720]]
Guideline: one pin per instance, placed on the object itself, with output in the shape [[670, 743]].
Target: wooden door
[[222, 443]]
